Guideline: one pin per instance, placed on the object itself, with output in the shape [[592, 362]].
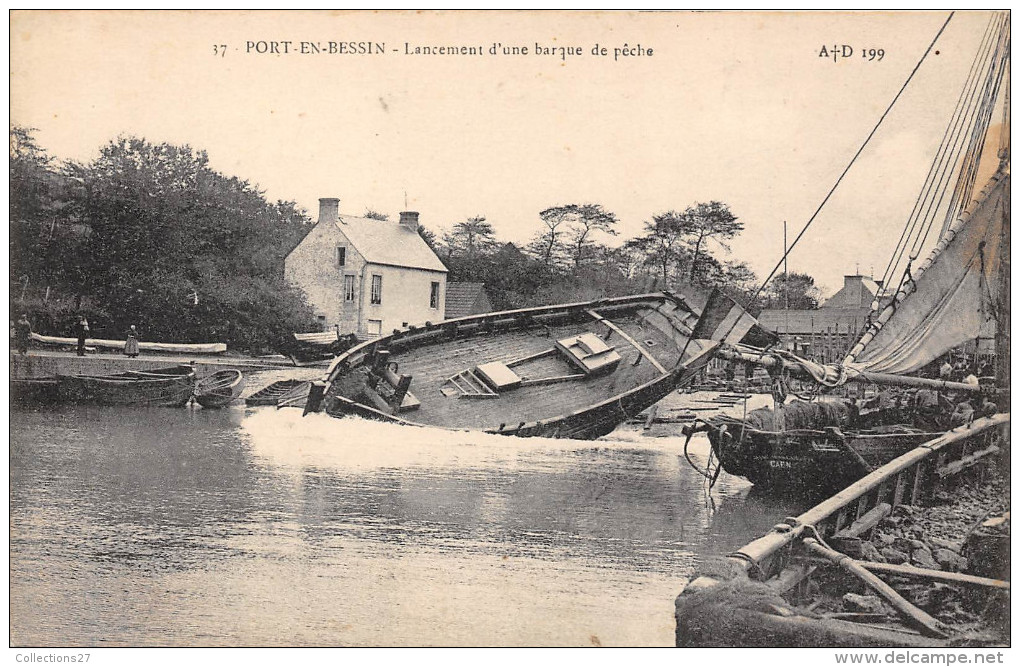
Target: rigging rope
[[993, 83], [987, 80], [860, 150], [972, 115], [943, 158]]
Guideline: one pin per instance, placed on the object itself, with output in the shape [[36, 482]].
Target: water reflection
[[192, 527]]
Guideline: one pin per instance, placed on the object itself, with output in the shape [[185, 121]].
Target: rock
[[884, 539], [903, 510], [893, 555], [890, 523], [918, 544], [923, 558], [903, 544], [869, 604], [941, 543], [948, 559], [851, 546], [870, 552], [918, 594]]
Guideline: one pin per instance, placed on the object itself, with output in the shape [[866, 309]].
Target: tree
[[372, 214], [429, 237], [662, 246], [470, 238], [798, 291], [182, 251], [708, 222], [586, 219], [546, 245]]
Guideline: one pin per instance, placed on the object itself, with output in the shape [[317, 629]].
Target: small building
[[857, 292], [463, 299], [367, 276], [827, 333]]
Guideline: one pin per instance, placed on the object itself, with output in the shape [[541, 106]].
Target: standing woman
[[131, 345], [81, 330]]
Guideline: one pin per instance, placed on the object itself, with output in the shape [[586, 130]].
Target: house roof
[[813, 321], [461, 298], [387, 242], [857, 292]]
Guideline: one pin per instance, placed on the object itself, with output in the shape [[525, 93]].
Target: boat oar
[[916, 618]]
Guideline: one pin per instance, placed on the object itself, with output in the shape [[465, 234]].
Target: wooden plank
[[866, 522], [636, 345], [966, 462], [916, 618], [901, 486], [923, 573]]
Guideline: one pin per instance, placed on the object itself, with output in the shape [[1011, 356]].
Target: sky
[[738, 107]]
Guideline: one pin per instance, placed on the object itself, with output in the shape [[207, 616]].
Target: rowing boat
[[171, 387], [219, 389], [573, 371]]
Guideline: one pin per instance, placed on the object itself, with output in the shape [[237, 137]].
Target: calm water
[[166, 527]]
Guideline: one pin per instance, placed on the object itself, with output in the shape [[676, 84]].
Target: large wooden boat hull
[[170, 387], [649, 335], [768, 593], [219, 389]]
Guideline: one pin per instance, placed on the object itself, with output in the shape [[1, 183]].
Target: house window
[[434, 296], [374, 327], [376, 290], [341, 255], [348, 288]]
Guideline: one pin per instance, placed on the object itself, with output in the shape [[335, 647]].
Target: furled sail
[[950, 299]]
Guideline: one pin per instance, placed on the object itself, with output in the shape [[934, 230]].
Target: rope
[[939, 162], [860, 150]]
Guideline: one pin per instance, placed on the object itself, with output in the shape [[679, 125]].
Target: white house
[[368, 276]]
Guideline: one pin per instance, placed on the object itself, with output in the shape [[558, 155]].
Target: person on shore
[[81, 330], [22, 333], [131, 344]]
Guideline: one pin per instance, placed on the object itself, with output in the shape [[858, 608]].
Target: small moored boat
[[219, 389], [170, 387], [822, 447]]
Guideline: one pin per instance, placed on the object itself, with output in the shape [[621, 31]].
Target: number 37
[[220, 50]]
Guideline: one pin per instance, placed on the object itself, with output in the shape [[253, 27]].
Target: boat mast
[[1002, 310]]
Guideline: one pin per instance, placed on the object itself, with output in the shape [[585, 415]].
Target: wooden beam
[[916, 618], [636, 345], [866, 522], [923, 573], [966, 462]]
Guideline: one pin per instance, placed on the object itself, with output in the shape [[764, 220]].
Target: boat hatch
[[586, 353], [498, 376], [589, 353]]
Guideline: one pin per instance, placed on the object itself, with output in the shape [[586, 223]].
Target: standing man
[[82, 331], [22, 332]]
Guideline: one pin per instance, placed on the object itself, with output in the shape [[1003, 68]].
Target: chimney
[[409, 220], [329, 208]]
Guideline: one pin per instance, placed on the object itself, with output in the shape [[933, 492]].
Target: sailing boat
[[791, 586], [957, 295]]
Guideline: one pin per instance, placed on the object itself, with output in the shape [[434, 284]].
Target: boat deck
[[431, 366]]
